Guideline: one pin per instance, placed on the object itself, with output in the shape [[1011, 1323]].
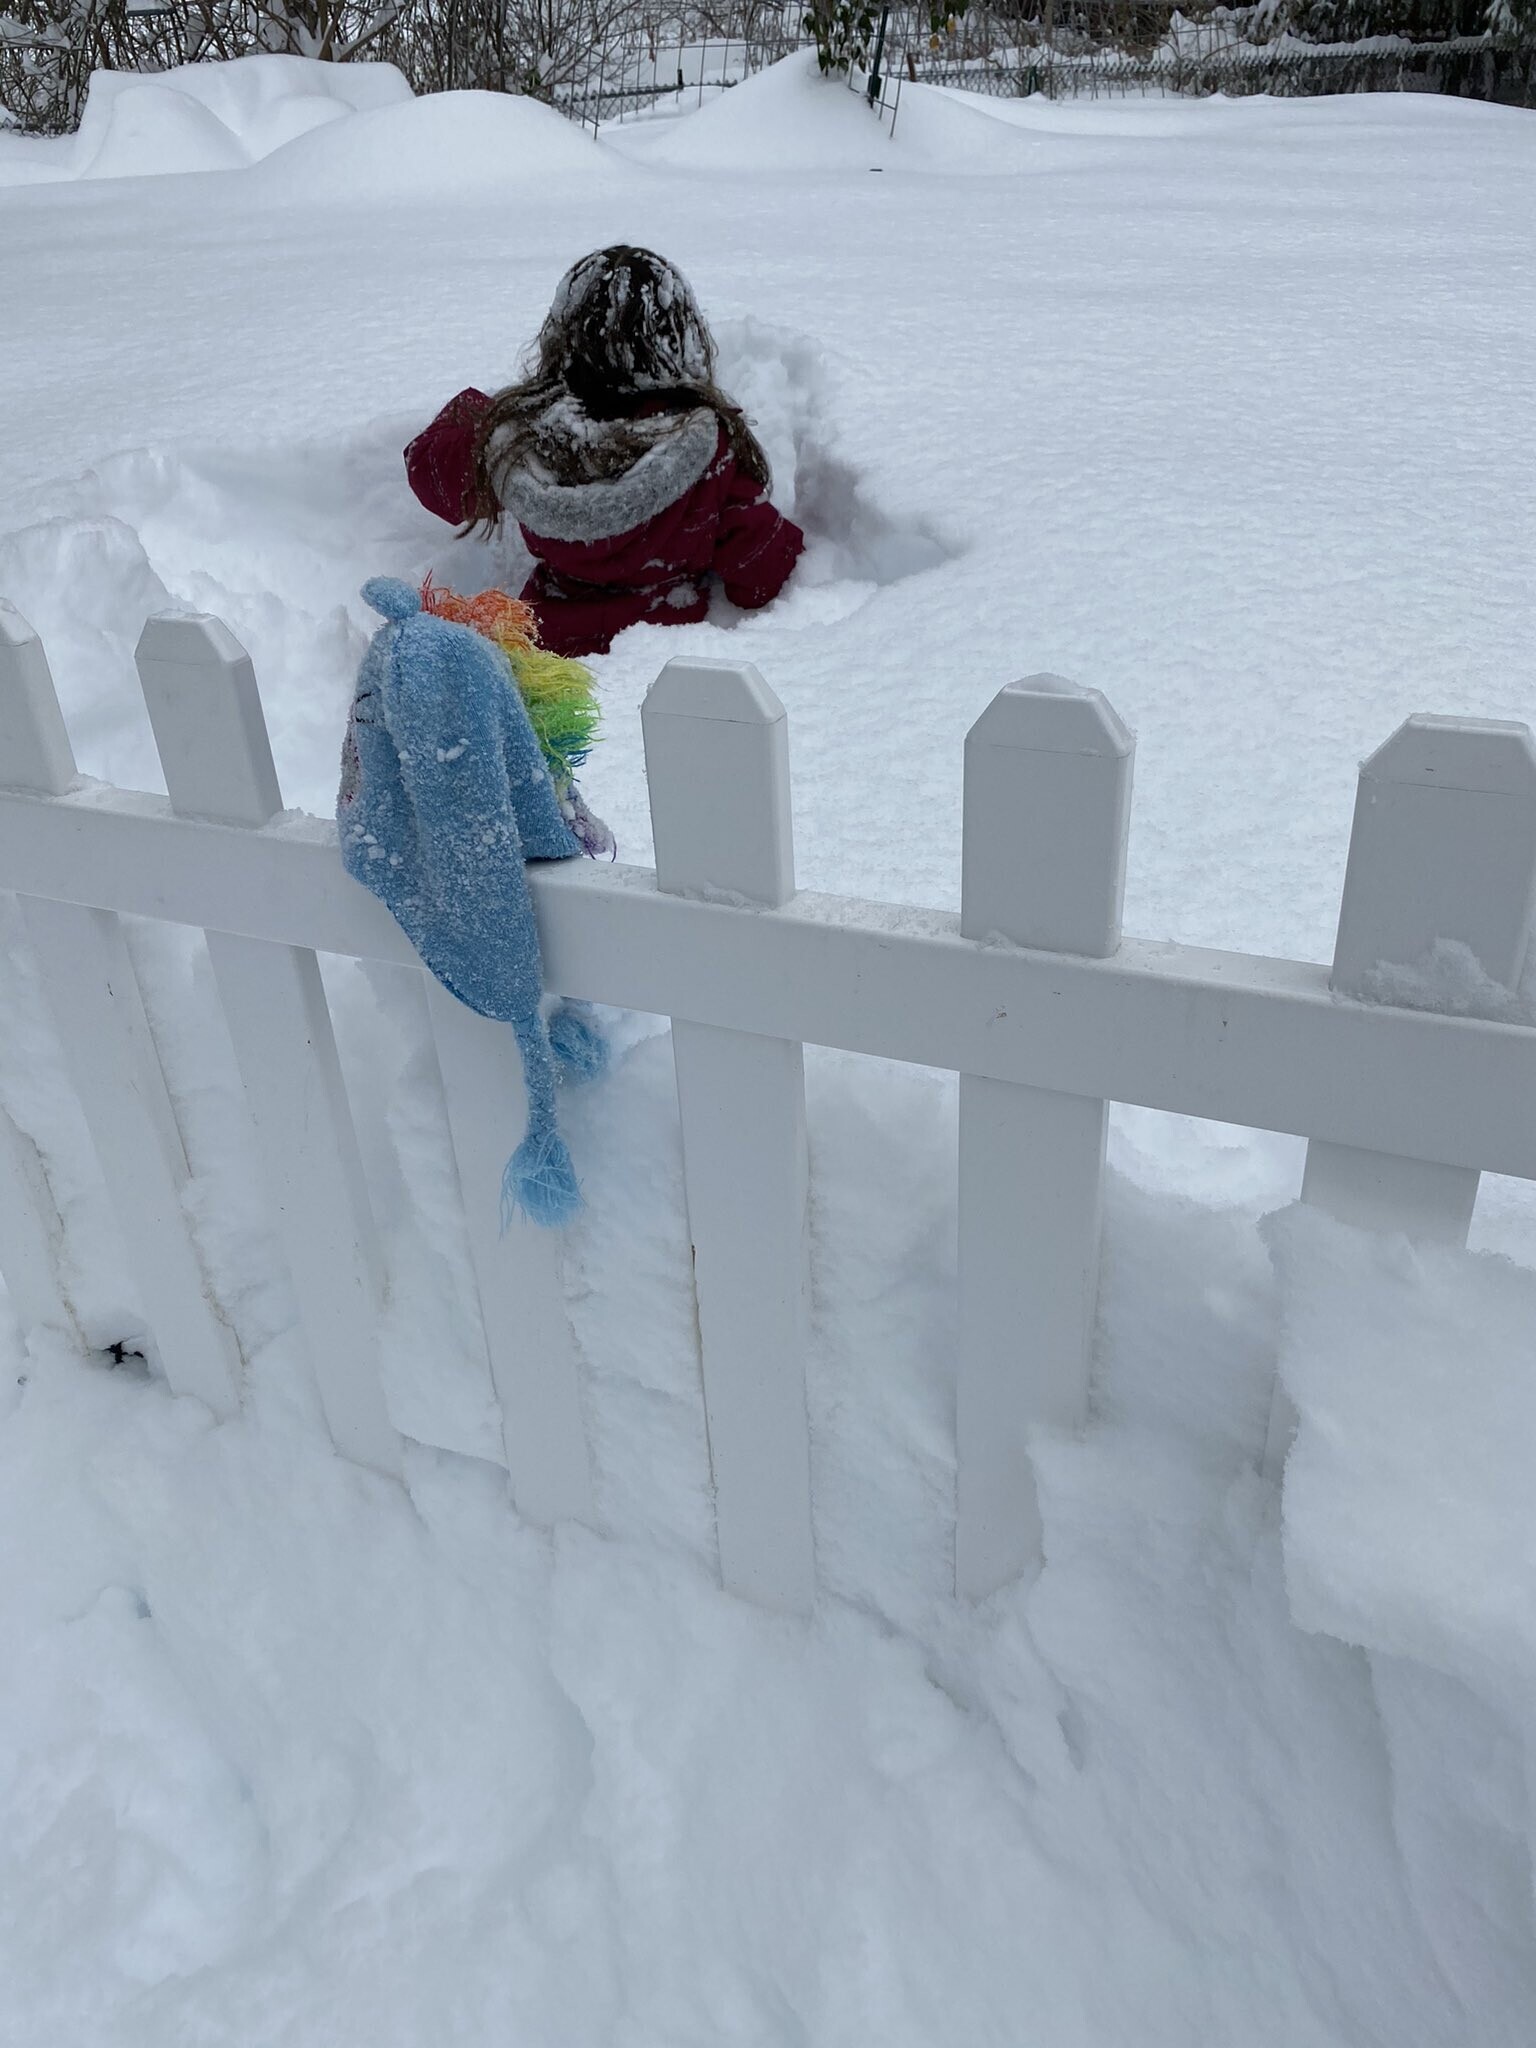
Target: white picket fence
[[1031, 995]]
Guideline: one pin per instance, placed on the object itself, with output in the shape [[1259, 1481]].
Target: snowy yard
[[1225, 409]]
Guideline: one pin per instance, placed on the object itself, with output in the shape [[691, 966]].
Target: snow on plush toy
[[445, 792], [558, 695]]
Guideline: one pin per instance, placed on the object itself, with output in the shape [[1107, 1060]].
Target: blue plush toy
[[444, 795]]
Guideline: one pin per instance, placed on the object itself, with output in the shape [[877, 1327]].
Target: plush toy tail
[[540, 1180], [577, 1043]]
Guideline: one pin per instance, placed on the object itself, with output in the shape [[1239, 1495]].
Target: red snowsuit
[[612, 553]]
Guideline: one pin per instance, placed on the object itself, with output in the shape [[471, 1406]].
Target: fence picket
[[31, 732], [717, 764], [1047, 806], [114, 1067], [203, 704], [528, 1335], [1443, 848]]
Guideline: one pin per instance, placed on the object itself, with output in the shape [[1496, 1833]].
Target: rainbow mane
[[560, 695]]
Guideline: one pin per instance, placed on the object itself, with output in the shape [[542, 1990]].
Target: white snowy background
[[1223, 408]]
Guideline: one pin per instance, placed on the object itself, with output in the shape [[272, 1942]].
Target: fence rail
[[1031, 994]]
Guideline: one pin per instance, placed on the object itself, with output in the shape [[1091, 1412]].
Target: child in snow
[[631, 474]]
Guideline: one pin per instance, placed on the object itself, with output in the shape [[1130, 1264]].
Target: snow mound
[[1410, 1517], [791, 118], [854, 545], [199, 117], [470, 143], [152, 130], [35, 159], [275, 539], [1410, 1527]]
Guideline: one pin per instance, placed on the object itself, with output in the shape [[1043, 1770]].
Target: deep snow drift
[[199, 117], [1178, 400]]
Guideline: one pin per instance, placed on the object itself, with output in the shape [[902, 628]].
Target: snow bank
[[1346, 117], [450, 143], [790, 118], [1410, 1516], [349, 131], [199, 117], [1410, 1530], [151, 130]]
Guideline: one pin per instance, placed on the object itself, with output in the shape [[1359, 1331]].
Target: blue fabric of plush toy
[[444, 795]]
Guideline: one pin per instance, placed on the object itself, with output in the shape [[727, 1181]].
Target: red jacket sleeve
[[440, 462], [757, 546]]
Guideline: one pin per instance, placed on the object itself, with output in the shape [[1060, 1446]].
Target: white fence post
[[1443, 848], [717, 764], [98, 1012], [30, 1232], [528, 1334], [31, 1237], [206, 713], [1047, 808]]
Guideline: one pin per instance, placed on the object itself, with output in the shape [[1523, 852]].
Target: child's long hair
[[624, 336]]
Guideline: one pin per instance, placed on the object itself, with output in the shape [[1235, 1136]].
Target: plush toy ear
[[391, 598]]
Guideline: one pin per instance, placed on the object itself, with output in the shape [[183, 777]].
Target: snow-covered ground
[[1224, 409]]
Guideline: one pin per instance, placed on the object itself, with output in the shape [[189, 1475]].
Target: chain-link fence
[[657, 68], [1001, 53], [1478, 67]]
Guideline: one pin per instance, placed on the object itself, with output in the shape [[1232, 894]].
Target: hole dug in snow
[[781, 381], [851, 537]]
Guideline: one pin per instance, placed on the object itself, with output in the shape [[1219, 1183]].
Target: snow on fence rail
[[1031, 995]]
